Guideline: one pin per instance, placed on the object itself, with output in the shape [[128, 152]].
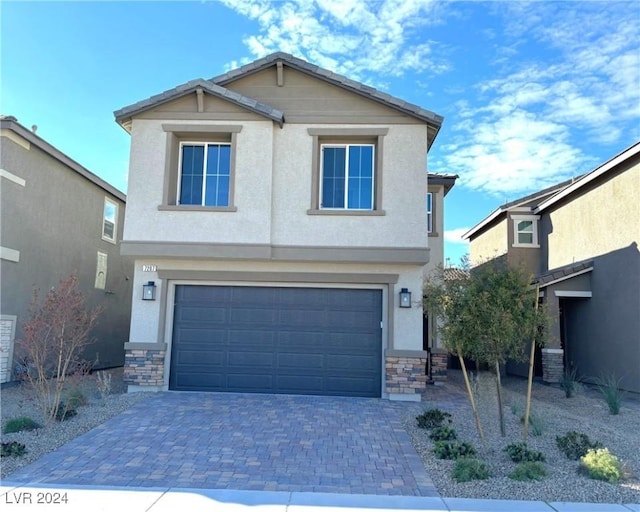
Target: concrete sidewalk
[[72, 498]]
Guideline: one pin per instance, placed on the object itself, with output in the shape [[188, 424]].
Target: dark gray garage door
[[277, 340]]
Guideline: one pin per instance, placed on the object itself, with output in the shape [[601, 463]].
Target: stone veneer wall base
[[552, 365], [405, 375], [144, 368]]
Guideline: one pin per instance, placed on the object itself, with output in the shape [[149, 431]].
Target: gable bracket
[[200, 97]]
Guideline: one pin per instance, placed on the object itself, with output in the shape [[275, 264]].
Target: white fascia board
[[588, 178]]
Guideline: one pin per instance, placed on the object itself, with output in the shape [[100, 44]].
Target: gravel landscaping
[[586, 413], [17, 401]]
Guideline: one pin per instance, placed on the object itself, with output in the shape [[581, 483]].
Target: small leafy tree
[[53, 339], [487, 316]]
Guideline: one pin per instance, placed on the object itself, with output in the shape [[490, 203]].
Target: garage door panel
[[302, 361], [246, 315], [206, 337], [356, 363], [199, 357], [301, 384], [252, 337], [277, 340], [249, 382], [209, 315], [251, 359]]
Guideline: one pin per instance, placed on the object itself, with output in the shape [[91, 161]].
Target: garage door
[[277, 340]]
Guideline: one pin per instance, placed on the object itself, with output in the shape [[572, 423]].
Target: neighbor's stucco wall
[[54, 221], [491, 243], [601, 220]]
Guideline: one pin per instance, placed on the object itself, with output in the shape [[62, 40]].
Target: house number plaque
[[149, 268]]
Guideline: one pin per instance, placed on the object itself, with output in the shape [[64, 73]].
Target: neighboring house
[[438, 187], [279, 211], [58, 218], [580, 240]]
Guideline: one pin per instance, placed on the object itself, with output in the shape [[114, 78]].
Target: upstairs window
[[347, 180], [205, 173], [525, 230], [109, 221]]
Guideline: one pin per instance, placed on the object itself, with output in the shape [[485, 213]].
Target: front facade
[[58, 218], [278, 210], [580, 240]]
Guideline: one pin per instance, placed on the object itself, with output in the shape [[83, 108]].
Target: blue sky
[[532, 92]]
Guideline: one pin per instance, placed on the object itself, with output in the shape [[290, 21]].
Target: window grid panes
[[429, 212], [347, 177], [525, 232], [205, 174]]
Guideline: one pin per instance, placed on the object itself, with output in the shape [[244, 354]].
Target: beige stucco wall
[[251, 223], [600, 221], [490, 244], [402, 329], [403, 179], [273, 192], [436, 237]]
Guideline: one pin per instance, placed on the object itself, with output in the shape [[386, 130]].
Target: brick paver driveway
[[252, 442]]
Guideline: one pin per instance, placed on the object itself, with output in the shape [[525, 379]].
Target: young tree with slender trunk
[[488, 316]]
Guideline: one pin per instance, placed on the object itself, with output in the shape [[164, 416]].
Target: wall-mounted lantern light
[[405, 298], [149, 291]]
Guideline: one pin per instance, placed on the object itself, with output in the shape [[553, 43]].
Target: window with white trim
[[429, 212], [525, 230], [347, 176], [205, 174], [110, 221]]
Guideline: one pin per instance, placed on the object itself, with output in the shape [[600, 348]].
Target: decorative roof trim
[[193, 86], [431, 118]]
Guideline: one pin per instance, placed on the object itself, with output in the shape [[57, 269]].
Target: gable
[[307, 99], [186, 107]]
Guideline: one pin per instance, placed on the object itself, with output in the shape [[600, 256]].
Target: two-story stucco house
[[58, 218], [279, 212], [580, 240]]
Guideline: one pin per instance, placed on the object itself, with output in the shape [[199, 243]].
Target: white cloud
[[535, 118], [358, 38], [454, 236]]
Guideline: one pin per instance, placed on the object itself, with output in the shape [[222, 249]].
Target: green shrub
[[12, 449], [610, 389], [518, 452], [601, 465], [453, 450], [536, 424], [575, 445], [75, 398], [65, 412], [19, 424], [466, 470], [528, 471], [443, 433], [570, 383], [432, 418]]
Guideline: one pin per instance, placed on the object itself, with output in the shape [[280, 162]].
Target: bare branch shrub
[[53, 339]]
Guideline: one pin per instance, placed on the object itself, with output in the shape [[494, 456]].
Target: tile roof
[[561, 273], [302, 65], [455, 273], [213, 89]]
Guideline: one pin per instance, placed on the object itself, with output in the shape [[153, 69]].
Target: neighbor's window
[[205, 171], [429, 212], [110, 220], [525, 232], [347, 180]]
